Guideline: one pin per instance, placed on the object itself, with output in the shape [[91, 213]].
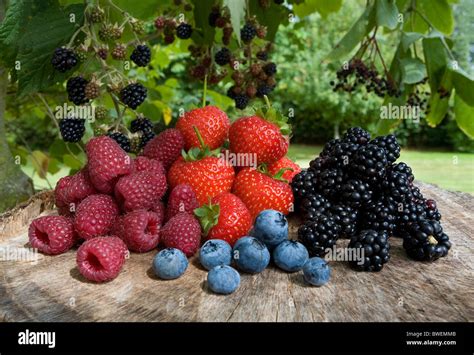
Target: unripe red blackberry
[[119, 52], [92, 89], [160, 23]]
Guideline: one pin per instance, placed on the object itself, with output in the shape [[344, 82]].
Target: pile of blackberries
[[355, 189]]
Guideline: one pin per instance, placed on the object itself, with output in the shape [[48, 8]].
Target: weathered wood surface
[[52, 289]]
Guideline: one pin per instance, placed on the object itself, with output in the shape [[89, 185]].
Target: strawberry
[[106, 163], [182, 232], [207, 174], [225, 217], [212, 123], [291, 167], [259, 191], [265, 134], [165, 147]]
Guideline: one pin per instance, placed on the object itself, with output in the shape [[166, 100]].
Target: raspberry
[[270, 69], [133, 95], [101, 259], [165, 147], [140, 190], [375, 248], [95, 216], [73, 189], [72, 129], [122, 140], [153, 165], [107, 162], [182, 232], [76, 90], [222, 57], [248, 32], [184, 31], [141, 124], [51, 234], [140, 230], [241, 101], [141, 55], [160, 210], [181, 199], [119, 52], [64, 59], [60, 195]]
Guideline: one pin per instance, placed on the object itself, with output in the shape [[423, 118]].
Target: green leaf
[[413, 70], [386, 13], [439, 13], [408, 38], [436, 60], [208, 216], [44, 33], [219, 100], [324, 7], [439, 106], [464, 86], [385, 126], [464, 116], [72, 161], [237, 14], [205, 33], [358, 31], [271, 17]]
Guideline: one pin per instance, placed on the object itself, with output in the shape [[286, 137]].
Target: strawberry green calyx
[[263, 168], [271, 114], [199, 153], [208, 216]]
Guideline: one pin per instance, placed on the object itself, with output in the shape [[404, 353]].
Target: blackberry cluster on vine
[[356, 189]]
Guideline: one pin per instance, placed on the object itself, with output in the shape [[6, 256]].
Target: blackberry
[[374, 247], [213, 16], [391, 146], [416, 194], [397, 186], [278, 2], [76, 90], [133, 95], [426, 241], [330, 182], [346, 217], [248, 32], [121, 139], [270, 69], [341, 154], [369, 163], [146, 136], [404, 169], [304, 184], [64, 59], [141, 55], [328, 147], [356, 193], [262, 55], [380, 215], [318, 165], [431, 210], [141, 124], [408, 213], [319, 234], [231, 92], [263, 90], [222, 57], [241, 101], [184, 31], [314, 205], [72, 129], [357, 135]]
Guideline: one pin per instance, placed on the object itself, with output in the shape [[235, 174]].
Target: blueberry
[[271, 227], [251, 255], [316, 271], [290, 255], [223, 279], [170, 263], [215, 252]]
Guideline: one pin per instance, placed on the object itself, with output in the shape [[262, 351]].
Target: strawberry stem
[[198, 134], [205, 92], [267, 101]]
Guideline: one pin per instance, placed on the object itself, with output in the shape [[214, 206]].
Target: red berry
[[60, 195], [182, 232], [140, 230], [101, 259], [140, 190], [51, 234], [107, 162], [165, 147], [146, 164], [283, 163], [212, 123], [182, 199], [95, 216], [160, 210]]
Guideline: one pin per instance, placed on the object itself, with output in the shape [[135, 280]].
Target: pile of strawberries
[[186, 187]]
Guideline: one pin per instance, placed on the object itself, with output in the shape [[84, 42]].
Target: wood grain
[[51, 289]]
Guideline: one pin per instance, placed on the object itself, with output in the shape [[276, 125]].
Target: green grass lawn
[[450, 170]]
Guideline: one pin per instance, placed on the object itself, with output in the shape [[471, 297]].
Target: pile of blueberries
[[251, 254]]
